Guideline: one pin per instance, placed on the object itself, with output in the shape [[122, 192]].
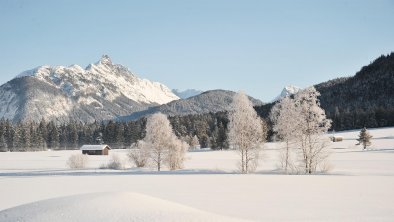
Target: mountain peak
[[287, 91], [105, 60], [186, 93], [34, 72]]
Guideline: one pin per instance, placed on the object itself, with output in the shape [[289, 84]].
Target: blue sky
[[256, 46]]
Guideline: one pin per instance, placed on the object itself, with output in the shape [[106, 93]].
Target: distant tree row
[[32, 136], [358, 118], [208, 129]]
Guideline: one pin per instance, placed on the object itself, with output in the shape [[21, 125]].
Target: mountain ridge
[[207, 102], [185, 94], [101, 91]]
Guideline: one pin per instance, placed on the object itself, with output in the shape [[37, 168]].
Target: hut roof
[[94, 147]]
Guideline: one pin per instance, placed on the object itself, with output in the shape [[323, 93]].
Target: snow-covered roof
[[94, 147]]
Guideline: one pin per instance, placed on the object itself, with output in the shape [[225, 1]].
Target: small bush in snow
[[115, 163], [176, 154], [139, 154], [78, 161]]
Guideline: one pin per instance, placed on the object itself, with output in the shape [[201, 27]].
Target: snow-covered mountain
[[209, 101], [186, 93], [287, 91], [101, 91]]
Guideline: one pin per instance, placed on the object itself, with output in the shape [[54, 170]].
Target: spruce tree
[[119, 136], [3, 144], [17, 139], [364, 138], [53, 135]]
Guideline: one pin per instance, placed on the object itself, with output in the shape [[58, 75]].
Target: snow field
[[358, 188]]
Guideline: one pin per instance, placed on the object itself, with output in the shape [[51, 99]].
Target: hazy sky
[[257, 46]]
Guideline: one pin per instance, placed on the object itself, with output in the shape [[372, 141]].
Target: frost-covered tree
[[285, 121], [176, 153], [139, 154], [164, 146], [301, 123], [311, 125], [194, 143], [246, 132], [364, 138]]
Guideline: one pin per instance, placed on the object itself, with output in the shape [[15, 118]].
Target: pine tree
[[43, 129], [53, 135], [26, 137], [17, 139], [364, 138], [8, 134], [63, 137], [99, 139], [3, 144], [39, 138], [119, 139], [72, 135]]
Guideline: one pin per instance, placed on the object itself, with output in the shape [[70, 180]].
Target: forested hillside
[[366, 99]]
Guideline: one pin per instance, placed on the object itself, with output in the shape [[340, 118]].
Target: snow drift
[[107, 207]]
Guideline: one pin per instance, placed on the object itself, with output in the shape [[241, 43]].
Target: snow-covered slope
[[108, 207], [186, 93], [287, 91], [101, 91]]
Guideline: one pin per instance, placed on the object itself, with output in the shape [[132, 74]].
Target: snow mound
[[107, 207]]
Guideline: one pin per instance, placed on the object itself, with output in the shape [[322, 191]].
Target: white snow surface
[[359, 187], [108, 207], [104, 79]]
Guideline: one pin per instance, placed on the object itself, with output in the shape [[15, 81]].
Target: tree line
[[43, 135], [209, 129]]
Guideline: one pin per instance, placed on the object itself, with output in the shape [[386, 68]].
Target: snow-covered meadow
[[358, 187]]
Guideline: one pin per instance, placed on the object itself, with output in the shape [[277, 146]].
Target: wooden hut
[[336, 138], [95, 149]]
